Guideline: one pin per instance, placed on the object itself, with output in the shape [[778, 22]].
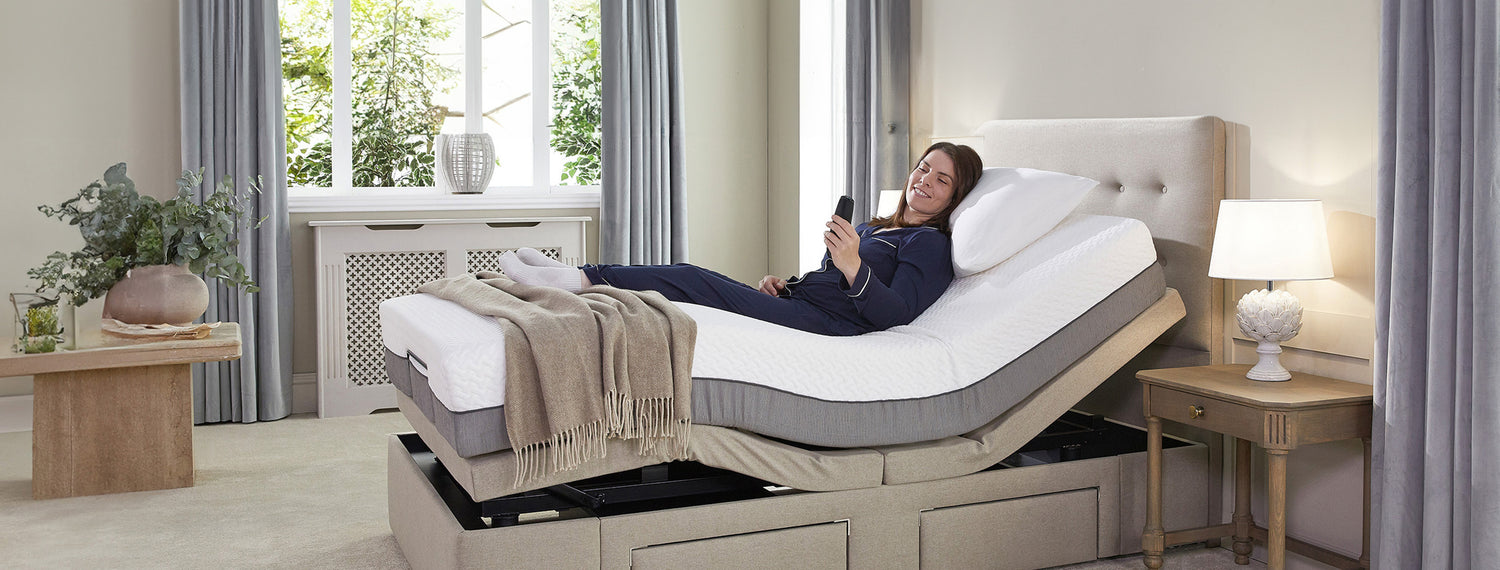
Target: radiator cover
[[362, 263]]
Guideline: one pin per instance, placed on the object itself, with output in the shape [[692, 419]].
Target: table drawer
[[1218, 415]]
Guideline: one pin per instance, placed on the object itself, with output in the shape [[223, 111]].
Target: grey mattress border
[[807, 420]]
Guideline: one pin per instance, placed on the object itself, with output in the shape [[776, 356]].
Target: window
[[822, 111], [370, 85]]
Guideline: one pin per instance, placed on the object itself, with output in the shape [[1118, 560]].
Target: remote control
[[845, 208]]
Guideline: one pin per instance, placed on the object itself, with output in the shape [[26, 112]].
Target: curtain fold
[[877, 100], [233, 125], [1436, 457], [642, 206]]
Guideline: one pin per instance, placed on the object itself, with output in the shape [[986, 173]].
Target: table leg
[[1364, 545], [1276, 534], [112, 430], [1153, 538], [1243, 518]]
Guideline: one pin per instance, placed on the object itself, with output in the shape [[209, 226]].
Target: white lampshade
[[888, 201], [1271, 240]]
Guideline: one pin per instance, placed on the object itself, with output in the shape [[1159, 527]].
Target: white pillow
[[1007, 210]]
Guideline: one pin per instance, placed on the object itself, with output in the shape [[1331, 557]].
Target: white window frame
[[343, 197], [823, 110]]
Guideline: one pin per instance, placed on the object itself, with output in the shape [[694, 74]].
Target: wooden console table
[[115, 415], [1279, 416]]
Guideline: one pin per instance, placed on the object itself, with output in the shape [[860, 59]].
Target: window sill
[[308, 202]]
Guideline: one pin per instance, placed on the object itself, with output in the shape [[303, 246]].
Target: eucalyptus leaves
[[124, 230]]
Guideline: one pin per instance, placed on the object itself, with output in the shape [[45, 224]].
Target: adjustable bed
[[842, 466]]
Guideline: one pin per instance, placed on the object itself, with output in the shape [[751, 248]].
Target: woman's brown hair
[[967, 167]]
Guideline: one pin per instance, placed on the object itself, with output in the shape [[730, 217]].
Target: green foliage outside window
[[395, 76], [577, 99], [307, 91]]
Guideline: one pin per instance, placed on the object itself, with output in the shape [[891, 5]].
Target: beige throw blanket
[[581, 368]]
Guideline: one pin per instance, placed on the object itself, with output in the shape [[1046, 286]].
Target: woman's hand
[[843, 247], [772, 285]]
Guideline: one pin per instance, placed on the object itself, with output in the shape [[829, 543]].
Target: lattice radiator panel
[[363, 263], [489, 259], [372, 278]]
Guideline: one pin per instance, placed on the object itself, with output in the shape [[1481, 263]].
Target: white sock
[[565, 278], [538, 259]]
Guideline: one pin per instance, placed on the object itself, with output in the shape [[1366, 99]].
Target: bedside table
[[1277, 415]]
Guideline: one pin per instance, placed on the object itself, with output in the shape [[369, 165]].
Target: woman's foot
[[565, 277], [538, 259]]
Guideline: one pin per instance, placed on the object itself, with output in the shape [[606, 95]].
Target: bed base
[[1076, 435], [1070, 495]]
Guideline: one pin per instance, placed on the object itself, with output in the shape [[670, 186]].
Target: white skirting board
[[15, 413]]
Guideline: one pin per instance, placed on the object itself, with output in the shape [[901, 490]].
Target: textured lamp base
[[1269, 369], [1269, 317]]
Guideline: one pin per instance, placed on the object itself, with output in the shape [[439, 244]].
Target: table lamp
[[1270, 240]]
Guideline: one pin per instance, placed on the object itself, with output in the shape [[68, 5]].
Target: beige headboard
[[1168, 172]]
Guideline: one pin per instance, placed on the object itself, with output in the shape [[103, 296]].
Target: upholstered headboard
[[1167, 172]]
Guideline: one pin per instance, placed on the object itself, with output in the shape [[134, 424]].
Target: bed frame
[[964, 501]]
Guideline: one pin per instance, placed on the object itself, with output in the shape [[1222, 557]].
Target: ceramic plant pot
[[157, 294]]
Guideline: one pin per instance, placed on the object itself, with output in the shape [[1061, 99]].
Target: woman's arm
[[924, 268]]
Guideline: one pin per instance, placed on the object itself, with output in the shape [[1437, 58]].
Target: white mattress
[[980, 324]]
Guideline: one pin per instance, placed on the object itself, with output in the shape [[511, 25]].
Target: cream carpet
[[296, 493]]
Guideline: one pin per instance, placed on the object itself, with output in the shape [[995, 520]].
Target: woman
[[874, 277]]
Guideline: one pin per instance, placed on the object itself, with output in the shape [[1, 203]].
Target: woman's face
[[929, 187]]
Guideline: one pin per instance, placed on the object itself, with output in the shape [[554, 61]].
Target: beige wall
[[1298, 80], [783, 134], [724, 54], [88, 83]]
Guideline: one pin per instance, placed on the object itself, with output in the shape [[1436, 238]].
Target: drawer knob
[[1195, 412]]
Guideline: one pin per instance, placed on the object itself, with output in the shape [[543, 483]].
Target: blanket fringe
[[649, 421], [564, 451]]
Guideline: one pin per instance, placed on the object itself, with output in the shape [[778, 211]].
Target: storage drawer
[[814, 546], [1218, 415], [1029, 532]]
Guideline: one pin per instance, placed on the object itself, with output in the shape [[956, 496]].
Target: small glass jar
[[42, 324]]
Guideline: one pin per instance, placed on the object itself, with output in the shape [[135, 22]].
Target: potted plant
[[144, 255], [39, 323]]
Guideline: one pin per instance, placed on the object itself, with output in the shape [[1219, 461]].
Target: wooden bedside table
[[115, 415], [1279, 416]]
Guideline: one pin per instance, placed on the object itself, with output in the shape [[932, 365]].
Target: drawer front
[[1218, 415], [815, 546], [1028, 532]]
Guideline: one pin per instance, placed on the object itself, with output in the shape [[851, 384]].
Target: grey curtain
[[232, 125], [877, 96], [1436, 472], [642, 211]]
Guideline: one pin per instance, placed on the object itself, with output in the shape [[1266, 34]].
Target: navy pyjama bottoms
[[692, 284]]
